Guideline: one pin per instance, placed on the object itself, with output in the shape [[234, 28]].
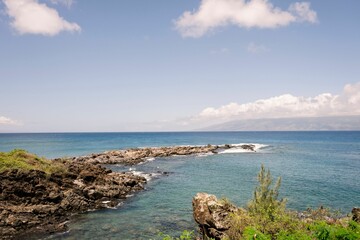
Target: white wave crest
[[238, 148], [147, 176], [204, 154]]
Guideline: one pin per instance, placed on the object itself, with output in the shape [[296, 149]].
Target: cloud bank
[[288, 106], [213, 14], [7, 121], [32, 17]]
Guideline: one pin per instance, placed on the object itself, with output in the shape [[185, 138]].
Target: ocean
[[317, 168]]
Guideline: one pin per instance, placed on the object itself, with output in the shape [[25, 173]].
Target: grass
[[23, 160]]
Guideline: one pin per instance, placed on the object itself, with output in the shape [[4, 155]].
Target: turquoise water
[[317, 168]]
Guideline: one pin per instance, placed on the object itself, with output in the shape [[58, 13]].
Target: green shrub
[[251, 233], [324, 231], [265, 202], [295, 235], [185, 235]]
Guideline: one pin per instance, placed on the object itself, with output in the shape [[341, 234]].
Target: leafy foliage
[[185, 235], [265, 208], [323, 231]]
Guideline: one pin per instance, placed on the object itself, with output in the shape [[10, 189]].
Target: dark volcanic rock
[[31, 201], [138, 155], [356, 214]]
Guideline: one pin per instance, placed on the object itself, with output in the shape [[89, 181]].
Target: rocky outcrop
[[356, 214], [212, 215], [138, 155], [34, 202]]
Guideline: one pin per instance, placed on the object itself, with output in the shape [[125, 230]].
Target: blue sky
[[148, 65]]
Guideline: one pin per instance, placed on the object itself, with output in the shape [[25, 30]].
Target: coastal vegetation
[[266, 218], [22, 160]]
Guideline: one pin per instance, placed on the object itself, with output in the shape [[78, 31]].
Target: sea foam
[[147, 176], [237, 148]]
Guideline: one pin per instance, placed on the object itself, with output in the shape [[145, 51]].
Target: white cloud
[[256, 48], [7, 121], [303, 12], [213, 14], [66, 3], [287, 105], [32, 17]]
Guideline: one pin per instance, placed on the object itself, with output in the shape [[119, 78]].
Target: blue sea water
[[317, 168]]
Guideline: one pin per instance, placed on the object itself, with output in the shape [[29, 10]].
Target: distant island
[[338, 123]]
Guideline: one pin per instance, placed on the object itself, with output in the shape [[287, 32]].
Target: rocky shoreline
[[33, 202], [138, 155]]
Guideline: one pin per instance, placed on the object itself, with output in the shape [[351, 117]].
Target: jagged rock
[[33, 202], [212, 215], [138, 155], [356, 214], [250, 147]]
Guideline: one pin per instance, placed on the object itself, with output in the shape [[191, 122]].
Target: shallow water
[[317, 168]]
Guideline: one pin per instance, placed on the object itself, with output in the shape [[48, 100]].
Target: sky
[[160, 65]]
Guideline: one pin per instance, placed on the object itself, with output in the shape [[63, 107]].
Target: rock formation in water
[[32, 201], [138, 155]]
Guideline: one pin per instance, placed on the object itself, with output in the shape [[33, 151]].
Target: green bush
[[265, 201], [324, 231], [294, 235], [185, 235], [251, 233]]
